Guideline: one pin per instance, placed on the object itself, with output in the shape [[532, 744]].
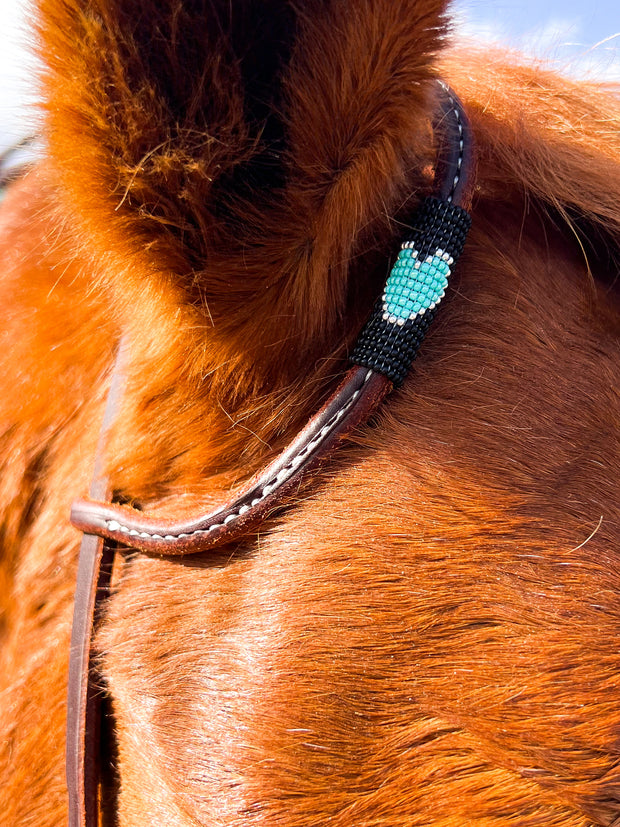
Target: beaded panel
[[416, 285]]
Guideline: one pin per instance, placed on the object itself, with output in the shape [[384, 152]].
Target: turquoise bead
[[414, 286]]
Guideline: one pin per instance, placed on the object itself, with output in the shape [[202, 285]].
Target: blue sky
[[581, 38]]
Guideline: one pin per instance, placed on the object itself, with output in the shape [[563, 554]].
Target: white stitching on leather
[[272, 485]]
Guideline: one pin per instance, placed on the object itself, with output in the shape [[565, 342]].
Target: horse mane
[[432, 627], [553, 139]]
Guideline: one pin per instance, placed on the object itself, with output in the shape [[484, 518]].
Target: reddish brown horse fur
[[429, 634]]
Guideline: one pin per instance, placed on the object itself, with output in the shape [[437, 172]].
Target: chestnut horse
[[428, 633]]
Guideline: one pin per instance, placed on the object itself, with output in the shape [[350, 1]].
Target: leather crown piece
[[380, 361]]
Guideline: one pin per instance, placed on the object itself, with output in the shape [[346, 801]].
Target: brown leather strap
[[84, 692], [84, 695], [356, 398]]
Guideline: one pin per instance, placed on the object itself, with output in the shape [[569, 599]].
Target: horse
[[425, 630]]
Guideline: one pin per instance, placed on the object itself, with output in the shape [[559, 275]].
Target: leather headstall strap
[[380, 360], [84, 694]]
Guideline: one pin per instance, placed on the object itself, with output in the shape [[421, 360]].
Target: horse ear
[[150, 102], [165, 120]]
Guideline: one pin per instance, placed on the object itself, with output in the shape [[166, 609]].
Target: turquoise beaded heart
[[415, 286]]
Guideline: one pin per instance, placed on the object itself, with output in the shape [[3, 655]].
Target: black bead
[[391, 348]]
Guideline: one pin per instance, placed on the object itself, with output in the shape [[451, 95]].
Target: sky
[[579, 38]]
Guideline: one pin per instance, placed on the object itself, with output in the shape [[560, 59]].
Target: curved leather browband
[[382, 356], [357, 396]]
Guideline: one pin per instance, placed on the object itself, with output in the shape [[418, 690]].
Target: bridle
[[380, 361]]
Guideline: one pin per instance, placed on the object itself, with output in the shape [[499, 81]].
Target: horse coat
[[428, 634]]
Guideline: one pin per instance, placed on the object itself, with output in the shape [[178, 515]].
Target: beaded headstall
[[416, 285], [380, 360]]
